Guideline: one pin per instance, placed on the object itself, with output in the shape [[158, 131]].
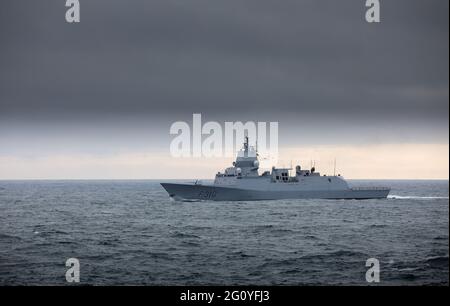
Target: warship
[[242, 182]]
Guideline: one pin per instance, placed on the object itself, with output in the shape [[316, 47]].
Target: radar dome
[[256, 163]]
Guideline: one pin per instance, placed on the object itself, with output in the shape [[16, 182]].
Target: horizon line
[[172, 179]]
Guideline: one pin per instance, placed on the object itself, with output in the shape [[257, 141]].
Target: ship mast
[[246, 144]]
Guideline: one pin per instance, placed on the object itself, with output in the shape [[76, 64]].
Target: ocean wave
[[183, 235], [437, 261], [67, 242], [288, 263], [282, 231], [240, 254], [110, 242], [408, 269], [416, 197], [335, 255], [440, 238], [158, 255], [378, 225], [10, 238], [407, 276], [190, 244], [312, 237], [97, 202], [263, 226]]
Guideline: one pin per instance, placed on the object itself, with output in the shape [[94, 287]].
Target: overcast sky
[[118, 79]]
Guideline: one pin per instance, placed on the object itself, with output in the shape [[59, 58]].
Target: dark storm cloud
[[232, 60]]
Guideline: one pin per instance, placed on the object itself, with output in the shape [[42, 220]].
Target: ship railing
[[370, 188]]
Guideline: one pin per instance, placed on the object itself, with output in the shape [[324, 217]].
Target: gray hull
[[215, 193]]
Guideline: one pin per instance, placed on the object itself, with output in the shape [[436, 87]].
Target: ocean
[[131, 233]]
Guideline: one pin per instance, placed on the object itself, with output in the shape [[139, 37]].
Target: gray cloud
[[230, 60]]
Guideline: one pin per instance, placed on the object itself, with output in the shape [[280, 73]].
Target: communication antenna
[[246, 143], [334, 172]]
